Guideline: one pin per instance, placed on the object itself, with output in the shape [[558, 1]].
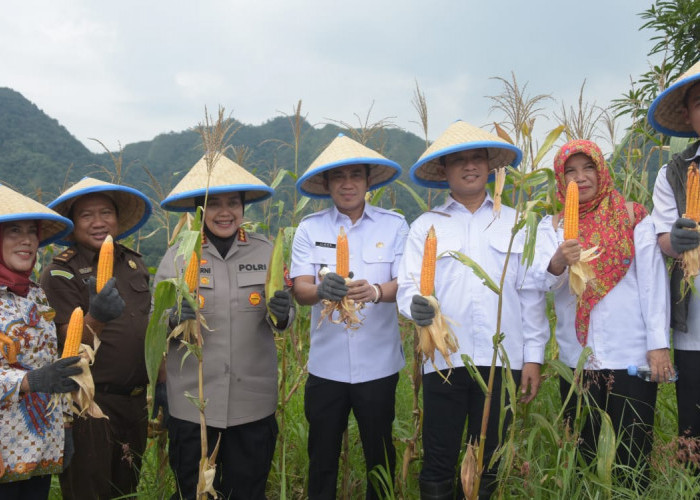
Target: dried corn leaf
[[580, 273]]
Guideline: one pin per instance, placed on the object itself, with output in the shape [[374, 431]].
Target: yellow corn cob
[[74, 334], [427, 273], [275, 272], [342, 254], [692, 196], [105, 265], [571, 212], [192, 272]]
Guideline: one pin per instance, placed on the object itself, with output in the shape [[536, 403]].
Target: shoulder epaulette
[[389, 212], [129, 250], [258, 236], [66, 255], [316, 214]]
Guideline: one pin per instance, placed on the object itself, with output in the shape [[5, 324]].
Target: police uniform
[[240, 370], [351, 369], [119, 373]]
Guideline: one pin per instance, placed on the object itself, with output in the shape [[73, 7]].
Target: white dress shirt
[[664, 215], [630, 320], [375, 242], [470, 306]]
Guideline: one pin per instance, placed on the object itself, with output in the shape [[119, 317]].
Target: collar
[[452, 204], [696, 156], [369, 211], [92, 255]]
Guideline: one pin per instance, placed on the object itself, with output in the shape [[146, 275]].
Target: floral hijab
[[603, 221]]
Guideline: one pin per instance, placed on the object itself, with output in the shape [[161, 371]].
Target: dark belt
[[120, 389]]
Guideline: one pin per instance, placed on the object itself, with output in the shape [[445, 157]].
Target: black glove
[[683, 240], [160, 400], [106, 305], [280, 305], [421, 311], [186, 312], [55, 377], [332, 287], [68, 447]]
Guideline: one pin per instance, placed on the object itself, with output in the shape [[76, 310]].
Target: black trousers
[[108, 453], [327, 405], [446, 408], [688, 392], [243, 462], [630, 402], [34, 488]]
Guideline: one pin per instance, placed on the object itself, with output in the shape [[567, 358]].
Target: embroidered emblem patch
[[132, 264], [204, 280], [62, 274], [254, 298], [380, 244], [85, 270]]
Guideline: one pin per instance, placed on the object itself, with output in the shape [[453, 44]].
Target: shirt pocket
[[140, 293], [250, 290], [499, 241], [379, 261], [447, 268]]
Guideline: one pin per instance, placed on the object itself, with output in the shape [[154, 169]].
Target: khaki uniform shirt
[[240, 357], [120, 359]]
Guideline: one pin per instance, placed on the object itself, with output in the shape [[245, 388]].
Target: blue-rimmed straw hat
[[226, 176], [461, 136], [666, 112], [133, 206], [339, 153], [16, 207]]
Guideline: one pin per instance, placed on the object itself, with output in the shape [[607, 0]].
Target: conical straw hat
[[226, 176], [345, 151], [461, 136], [666, 112], [15, 206], [133, 207]]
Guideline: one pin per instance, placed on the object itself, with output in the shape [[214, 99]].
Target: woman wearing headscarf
[[622, 314], [239, 352], [32, 437]]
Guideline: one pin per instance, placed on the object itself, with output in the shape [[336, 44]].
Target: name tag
[[206, 278], [324, 244], [251, 268]]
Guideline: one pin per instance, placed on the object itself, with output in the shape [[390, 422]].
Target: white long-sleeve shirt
[[664, 215], [470, 305], [630, 320]]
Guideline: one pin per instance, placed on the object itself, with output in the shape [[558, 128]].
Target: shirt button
[[380, 257]]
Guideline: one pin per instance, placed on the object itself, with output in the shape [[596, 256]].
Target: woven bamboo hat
[[226, 176], [133, 206], [666, 112], [339, 153], [461, 136], [15, 206]]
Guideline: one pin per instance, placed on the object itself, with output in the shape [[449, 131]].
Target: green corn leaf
[[157, 331], [476, 268], [548, 143], [419, 201], [606, 448], [275, 272]]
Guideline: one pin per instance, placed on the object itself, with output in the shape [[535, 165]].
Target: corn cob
[[571, 212], [105, 264], [275, 272], [692, 197], [74, 334], [342, 254], [427, 273], [192, 272]]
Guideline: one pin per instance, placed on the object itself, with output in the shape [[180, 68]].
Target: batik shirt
[[31, 437]]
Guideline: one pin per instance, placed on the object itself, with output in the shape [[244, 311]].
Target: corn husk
[[347, 310], [498, 190], [437, 336], [81, 403], [468, 470], [580, 273], [275, 272]]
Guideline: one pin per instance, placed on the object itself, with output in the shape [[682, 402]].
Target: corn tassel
[[427, 273], [571, 212], [438, 335], [74, 334], [105, 264], [690, 260], [342, 254]]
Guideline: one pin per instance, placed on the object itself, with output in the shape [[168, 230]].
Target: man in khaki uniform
[[108, 453], [240, 357]]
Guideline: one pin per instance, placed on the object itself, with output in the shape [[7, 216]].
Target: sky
[[126, 71]]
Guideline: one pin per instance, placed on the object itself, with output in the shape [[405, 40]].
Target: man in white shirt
[[676, 111], [461, 160], [350, 369]]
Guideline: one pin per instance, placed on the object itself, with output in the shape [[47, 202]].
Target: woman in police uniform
[[240, 357]]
